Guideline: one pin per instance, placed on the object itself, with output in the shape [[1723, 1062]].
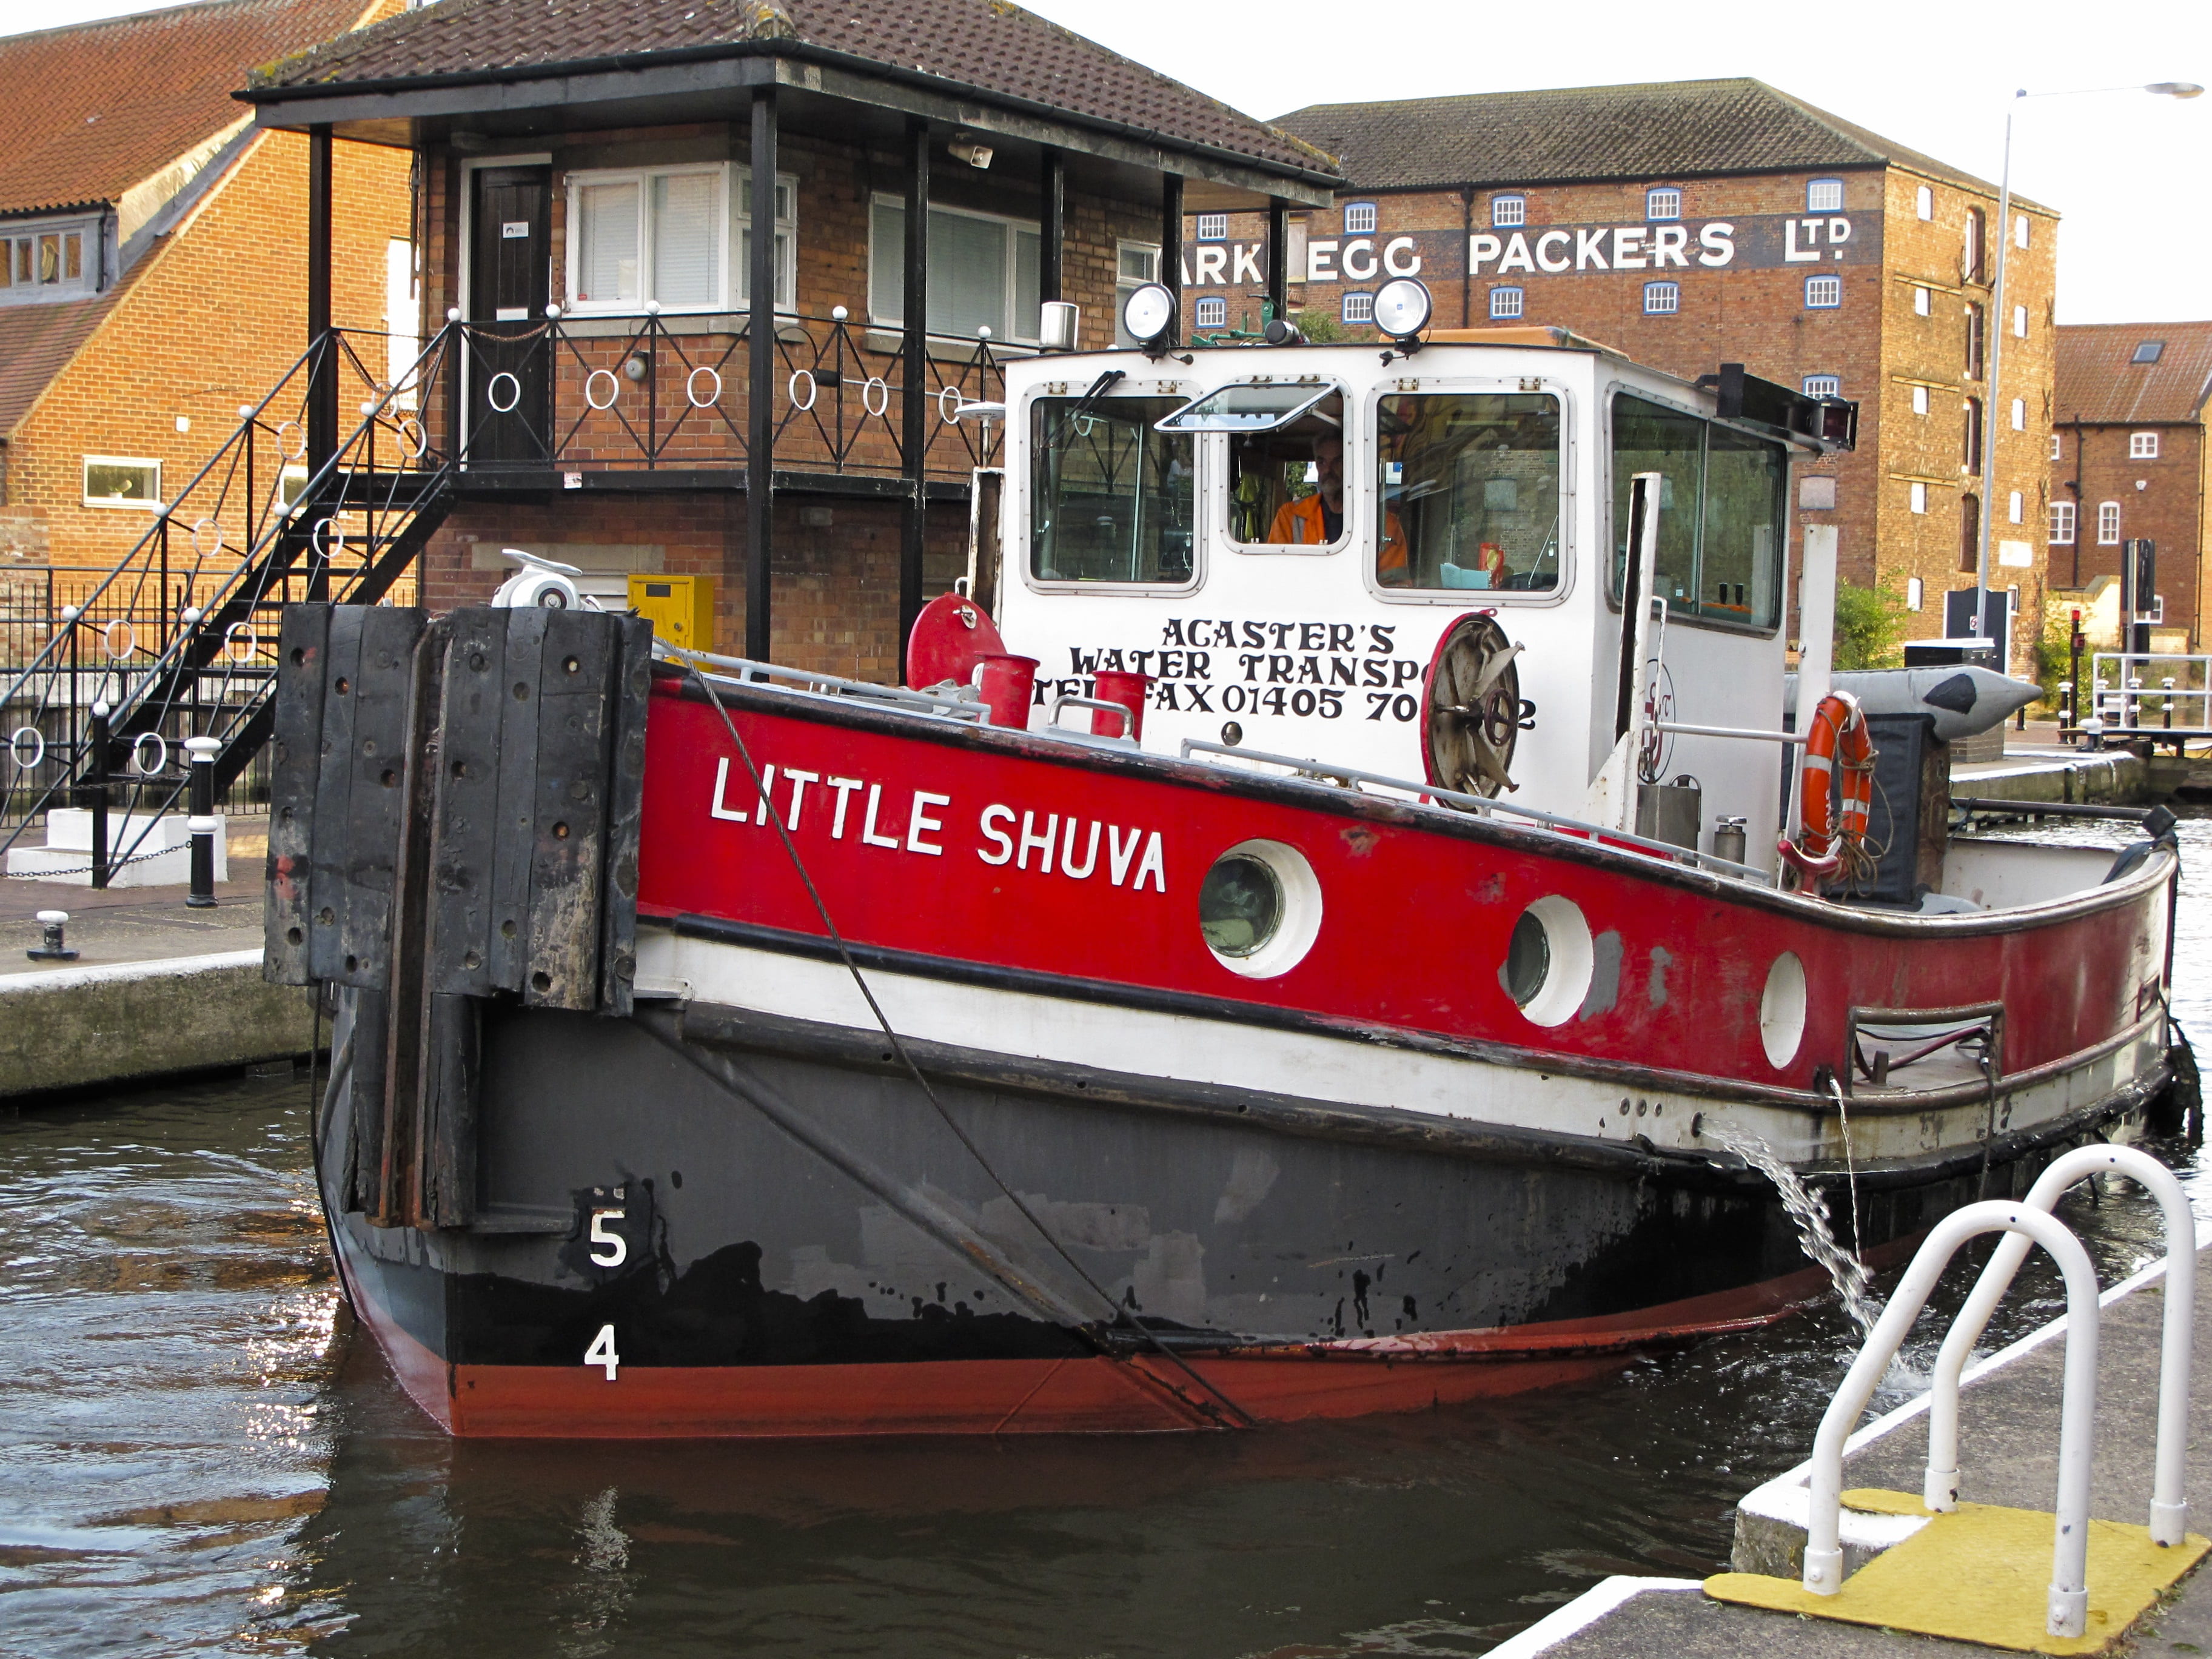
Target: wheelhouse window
[[983, 273], [1285, 462], [49, 262], [1722, 510], [1470, 484], [1111, 498], [122, 481]]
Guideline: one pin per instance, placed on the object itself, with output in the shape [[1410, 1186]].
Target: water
[[1809, 1213], [197, 1454]]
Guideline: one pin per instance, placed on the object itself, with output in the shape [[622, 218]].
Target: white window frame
[[786, 242], [1662, 202], [152, 504], [1211, 311], [2020, 414], [19, 245], [2020, 230], [1508, 212], [2061, 532], [1818, 192], [2016, 508], [1916, 496], [1661, 298], [892, 199], [2057, 447], [1518, 304], [1125, 285], [1920, 400], [1823, 385], [1358, 308], [2019, 322], [1923, 202], [2108, 523], [1360, 218], [577, 182], [1823, 284], [1212, 228], [1913, 591], [1923, 301], [2142, 446]]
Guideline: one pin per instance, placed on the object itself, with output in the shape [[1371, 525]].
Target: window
[[1135, 264], [1823, 293], [2148, 352], [1505, 302], [1665, 202], [2108, 523], [1722, 510], [2020, 414], [292, 484], [1920, 400], [787, 239], [1971, 250], [121, 481], [1110, 497], [49, 262], [1823, 385], [2062, 524], [660, 235], [1358, 308], [402, 341], [1509, 211], [1923, 202], [2058, 447], [1972, 354], [1825, 196], [1917, 496], [1359, 218], [2142, 446], [1291, 435], [1470, 487], [982, 272], [2019, 322], [1969, 532], [1212, 312], [2020, 230], [1661, 298], [1970, 450], [1921, 299], [1212, 227], [2016, 506], [1912, 593]]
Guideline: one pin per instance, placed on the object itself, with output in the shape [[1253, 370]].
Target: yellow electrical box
[[680, 608]]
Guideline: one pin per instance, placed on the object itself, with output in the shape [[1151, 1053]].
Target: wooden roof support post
[[1171, 248], [1053, 231], [760, 365], [915, 422], [1279, 259]]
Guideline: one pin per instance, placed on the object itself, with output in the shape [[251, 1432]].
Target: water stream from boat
[[199, 1453], [1809, 1213]]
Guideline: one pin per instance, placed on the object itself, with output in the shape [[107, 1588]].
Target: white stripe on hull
[[1342, 1071]]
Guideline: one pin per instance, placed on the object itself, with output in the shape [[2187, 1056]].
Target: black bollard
[[202, 823], [54, 949], [95, 785]]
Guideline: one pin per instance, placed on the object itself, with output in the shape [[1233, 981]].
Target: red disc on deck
[[950, 637]]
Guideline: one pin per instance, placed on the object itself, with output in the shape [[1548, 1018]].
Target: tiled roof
[[37, 342], [1673, 129], [88, 111], [988, 46], [2098, 381]]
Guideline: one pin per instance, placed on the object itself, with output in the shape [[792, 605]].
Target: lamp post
[[1999, 325]]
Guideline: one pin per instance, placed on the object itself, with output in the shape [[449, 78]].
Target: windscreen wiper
[[1105, 383]]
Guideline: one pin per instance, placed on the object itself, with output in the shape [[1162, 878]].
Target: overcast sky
[[2129, 172]]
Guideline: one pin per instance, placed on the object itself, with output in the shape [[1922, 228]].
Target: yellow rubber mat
[[1980, 1574]]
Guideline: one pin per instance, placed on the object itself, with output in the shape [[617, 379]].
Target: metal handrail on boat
[[812, 682], [1482, 806]]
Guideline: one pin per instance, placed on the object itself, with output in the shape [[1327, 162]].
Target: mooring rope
[[1118, 1315]]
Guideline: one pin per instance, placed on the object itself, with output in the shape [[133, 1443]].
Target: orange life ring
[[1836, 816]]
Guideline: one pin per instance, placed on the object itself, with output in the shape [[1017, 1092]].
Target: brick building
[[151, 280], [2128, 461], [590, 190], [1700, 223]]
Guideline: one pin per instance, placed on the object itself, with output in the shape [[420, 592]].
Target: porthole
[[1782, 1010], [1259, 908], [1548, 961]]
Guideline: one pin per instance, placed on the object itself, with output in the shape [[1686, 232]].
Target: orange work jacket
[[1300, 523]]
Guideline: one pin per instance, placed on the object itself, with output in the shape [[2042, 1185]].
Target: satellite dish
[[1471, 709]]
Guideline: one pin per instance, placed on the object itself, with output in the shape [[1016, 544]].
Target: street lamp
[[1999, 325]]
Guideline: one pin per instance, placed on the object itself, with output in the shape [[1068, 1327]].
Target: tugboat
[[1329, 926]]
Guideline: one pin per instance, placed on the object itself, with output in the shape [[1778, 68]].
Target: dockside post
[[202, 823]]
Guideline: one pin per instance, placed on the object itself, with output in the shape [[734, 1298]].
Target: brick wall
[[2169, 508], [212, 316]]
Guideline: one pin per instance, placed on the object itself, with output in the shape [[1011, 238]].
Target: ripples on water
[[197, 1453]]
